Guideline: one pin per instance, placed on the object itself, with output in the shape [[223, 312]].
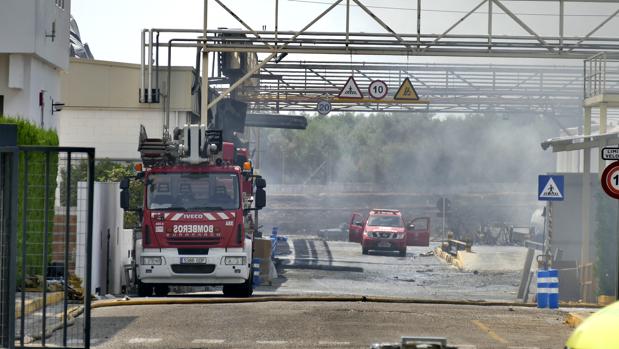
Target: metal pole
[[24, 245], [150, 67], [142, 60], [418, 24], [561, 23], [548, 242], [585, 205], [444, 236], [14, 168], [489, 25], [347, 22], [88, 282], [204, 104], [276, 21], [45, 246], [66, 250]]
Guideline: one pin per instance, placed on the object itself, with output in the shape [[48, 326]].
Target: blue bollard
[[255, 263], [542, 288], [553, 288]]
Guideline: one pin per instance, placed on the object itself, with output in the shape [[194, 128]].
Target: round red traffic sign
[[610, 180], [378, 89]]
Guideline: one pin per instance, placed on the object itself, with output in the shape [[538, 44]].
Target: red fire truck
[[199, 213]]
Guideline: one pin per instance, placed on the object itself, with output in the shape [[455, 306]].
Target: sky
[[112, 27]]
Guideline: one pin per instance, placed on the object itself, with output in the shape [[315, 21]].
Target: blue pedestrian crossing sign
[[550, 188]]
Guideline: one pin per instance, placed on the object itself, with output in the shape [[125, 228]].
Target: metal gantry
[[450, 88], [457, 91]]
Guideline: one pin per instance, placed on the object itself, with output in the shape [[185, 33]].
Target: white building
[[34, 50]]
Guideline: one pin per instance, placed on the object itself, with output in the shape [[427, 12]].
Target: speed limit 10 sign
[[378, 89], [610, 180]]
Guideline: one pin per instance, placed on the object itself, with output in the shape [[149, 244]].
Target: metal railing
[[601, 75]]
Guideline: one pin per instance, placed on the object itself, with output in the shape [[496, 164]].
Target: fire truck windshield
[[193, 191], [385, 221]]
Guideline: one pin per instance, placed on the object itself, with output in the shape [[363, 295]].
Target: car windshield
[[385, 221], [193, 191]]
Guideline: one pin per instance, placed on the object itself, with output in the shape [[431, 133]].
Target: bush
[[29, 134], [105, 171]]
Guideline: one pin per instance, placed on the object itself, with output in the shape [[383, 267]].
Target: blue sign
[[550, 188]]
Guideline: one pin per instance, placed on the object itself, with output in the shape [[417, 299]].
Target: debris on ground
[[427, 254]]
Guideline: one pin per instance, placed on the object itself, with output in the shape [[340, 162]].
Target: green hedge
[[29, 134], [606, 243]]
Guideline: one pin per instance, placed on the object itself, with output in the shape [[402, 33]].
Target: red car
[[418, 232], [384, 230], [355, 227]]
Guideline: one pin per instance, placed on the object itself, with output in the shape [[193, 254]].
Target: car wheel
[[243, 290], [364, 250], [402, 253]]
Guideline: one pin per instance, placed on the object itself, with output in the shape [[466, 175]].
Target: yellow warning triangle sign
[[406, 92]]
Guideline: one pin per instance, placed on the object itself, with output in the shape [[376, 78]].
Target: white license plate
[[384, 244], [193, 260]]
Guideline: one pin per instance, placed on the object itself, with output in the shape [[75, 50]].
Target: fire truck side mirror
[[260, 198], [261, 183], [124, 199]]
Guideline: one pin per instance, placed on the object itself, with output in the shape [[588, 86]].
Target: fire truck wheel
[[144, 290], [242, 290], [162, 290], [403, 253], [364, 250]]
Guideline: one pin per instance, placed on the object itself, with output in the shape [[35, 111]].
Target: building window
[[60, 3]]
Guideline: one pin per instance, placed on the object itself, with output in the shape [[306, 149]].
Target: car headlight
[[230, 260], [151, 260]]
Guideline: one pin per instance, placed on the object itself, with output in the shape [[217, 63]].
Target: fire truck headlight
[[229, 260], [151, 260], [401, 235]]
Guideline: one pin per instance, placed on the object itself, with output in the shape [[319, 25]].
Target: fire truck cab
[[196, 218]]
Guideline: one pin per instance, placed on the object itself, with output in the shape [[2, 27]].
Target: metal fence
[[51, 307]]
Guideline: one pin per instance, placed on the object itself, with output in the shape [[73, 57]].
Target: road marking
[[208, 341], [332, 343], [272, 342], [144, 340], [490, 332]]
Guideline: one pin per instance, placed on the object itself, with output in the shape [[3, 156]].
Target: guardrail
[[452, 246], [534, 245], [601, 75]]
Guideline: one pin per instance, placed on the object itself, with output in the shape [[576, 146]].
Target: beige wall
[[101, 84]]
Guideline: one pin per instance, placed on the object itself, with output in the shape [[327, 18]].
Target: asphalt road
[[313, 266], [323, 325]]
